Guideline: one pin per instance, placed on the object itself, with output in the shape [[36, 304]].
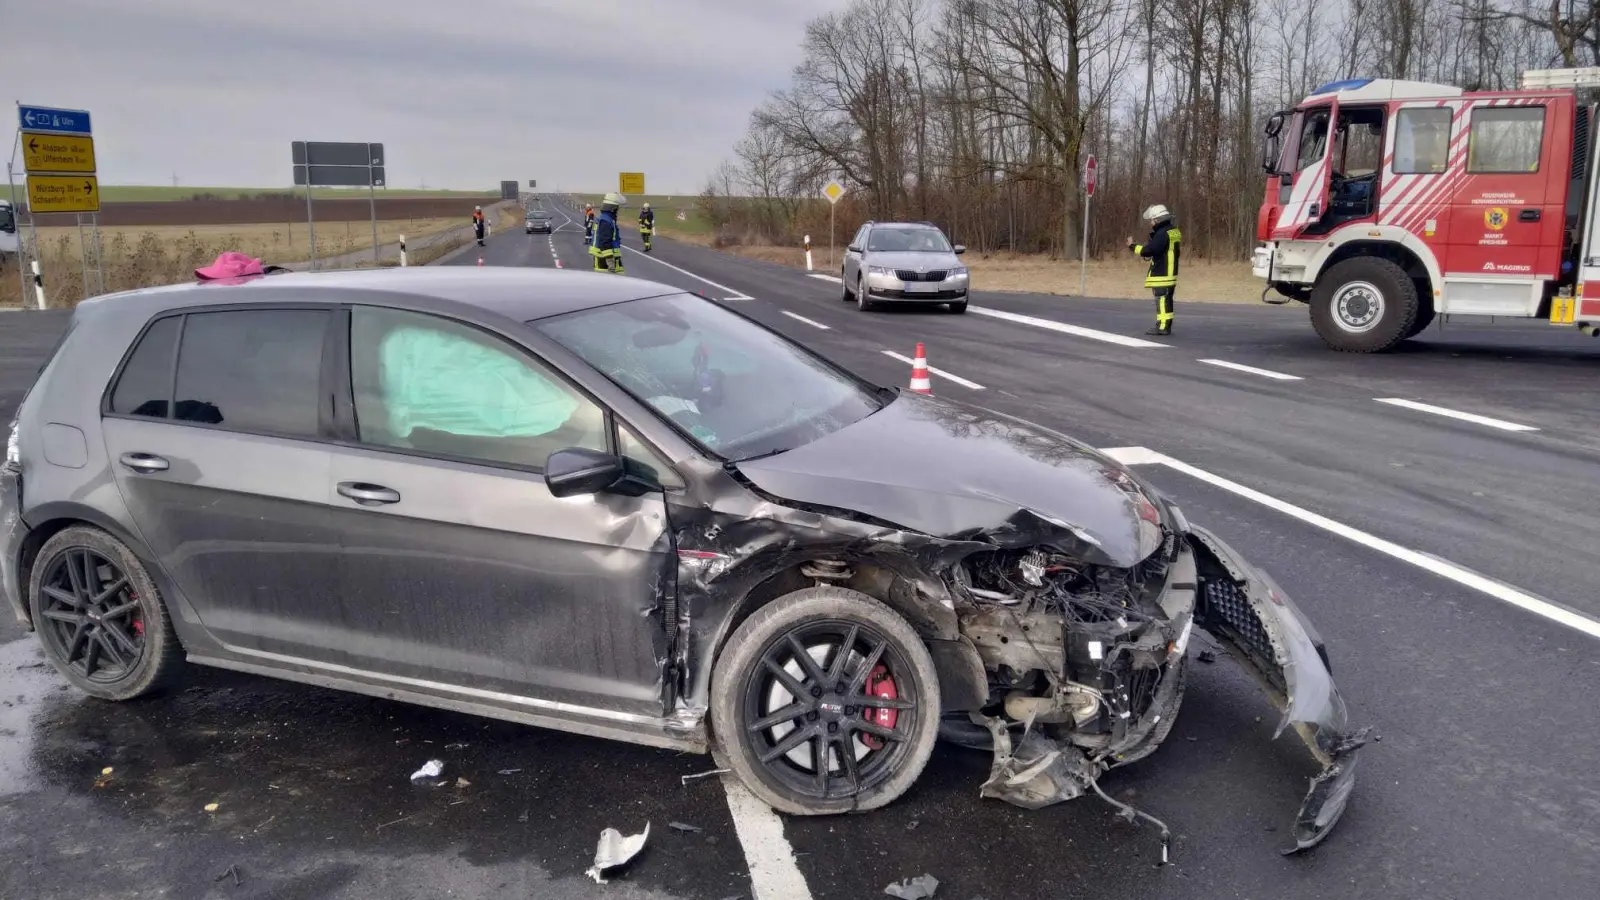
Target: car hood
[[916, 262], [962, 473]]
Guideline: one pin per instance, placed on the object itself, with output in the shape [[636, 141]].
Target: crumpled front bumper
[[1245, 610]]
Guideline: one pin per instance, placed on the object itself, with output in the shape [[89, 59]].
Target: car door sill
[[653, 731]]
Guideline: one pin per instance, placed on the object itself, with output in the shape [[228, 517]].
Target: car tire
[[138, 641], [958, 307], [845, 294], [1364, 305], [745, 690], [863, 297]]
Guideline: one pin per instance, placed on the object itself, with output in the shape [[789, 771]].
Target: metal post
[[38, 283], [22, 246], [372, 202], [99, 256], [83, 256], [1083, 281], [402, 251], [311, 225], [831, 208]]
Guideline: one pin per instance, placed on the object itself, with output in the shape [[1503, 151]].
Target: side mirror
[[960, 249], [852, 249], [575, 471]]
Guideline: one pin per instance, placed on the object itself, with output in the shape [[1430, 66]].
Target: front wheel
[[825, 701], [1364, 305], [863, 298], [960, 306]]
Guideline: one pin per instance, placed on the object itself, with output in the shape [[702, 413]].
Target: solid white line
[[1075, 330], [1444, 569], [832, 278], [1501, 424], [736, 295], [805, 320], [939, 372], [1264, 373], [773, 873]]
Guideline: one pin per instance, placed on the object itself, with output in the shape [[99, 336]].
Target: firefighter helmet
[[615, 199], [646, 205], [1156, 213]]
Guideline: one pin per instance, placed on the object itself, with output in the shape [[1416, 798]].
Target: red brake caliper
[[879, 684]]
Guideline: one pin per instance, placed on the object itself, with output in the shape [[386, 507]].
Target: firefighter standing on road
[[647, 225], [607, 246], [478, 224], [1162, 249], [588, 223]]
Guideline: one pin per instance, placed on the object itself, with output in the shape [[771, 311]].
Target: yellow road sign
[[630, 182], [833, 191], [57, 152], [63, 194]]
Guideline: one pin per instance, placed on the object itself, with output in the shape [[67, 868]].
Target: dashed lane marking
[[832, 278], [1555, 612], [939, 372], [798, 317], [732, 294], [1501, 424], [1239, 367], [773, 872]]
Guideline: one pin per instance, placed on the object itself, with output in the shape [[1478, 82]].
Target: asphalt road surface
[[1444, 544]]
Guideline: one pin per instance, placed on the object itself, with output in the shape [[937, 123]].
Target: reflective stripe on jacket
[[1163, 249]]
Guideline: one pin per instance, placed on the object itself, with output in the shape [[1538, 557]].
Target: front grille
[[908, 275]]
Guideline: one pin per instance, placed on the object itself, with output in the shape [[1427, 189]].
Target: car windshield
[[912, 240], [737, 388], [538, 214]]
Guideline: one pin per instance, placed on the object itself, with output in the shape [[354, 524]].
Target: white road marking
[[1064, 328], [805, 320], [939, 372], [773, 873], [733, 294], [1501, 424], [1555, 612], [832, 278], [1238, 367]]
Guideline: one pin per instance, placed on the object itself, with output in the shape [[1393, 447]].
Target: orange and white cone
[[919, 372]]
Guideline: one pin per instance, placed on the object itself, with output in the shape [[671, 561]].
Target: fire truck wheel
[[1364, 305], [1424, 319]]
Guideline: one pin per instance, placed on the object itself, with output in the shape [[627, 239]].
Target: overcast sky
[[462, 93]]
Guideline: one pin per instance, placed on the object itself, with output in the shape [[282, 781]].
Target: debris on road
[[918, 888], [685, 826], [433, 768], [463, 783], [614, 850], [232, 872], [1206, 656], [211, 807], [523, 817], [509, 771], [699, 775]]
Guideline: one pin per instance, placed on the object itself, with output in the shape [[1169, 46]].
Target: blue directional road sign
[[57, 121]]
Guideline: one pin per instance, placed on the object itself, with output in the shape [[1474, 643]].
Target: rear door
[[1311, 181], [214, 429], [460, 569]]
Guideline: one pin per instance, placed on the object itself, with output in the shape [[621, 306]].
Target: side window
[[634, 448], [860, 240], [432, 385], [254, 370], [1422, 141], [1505, 139], [1313, 139], [145, 385]]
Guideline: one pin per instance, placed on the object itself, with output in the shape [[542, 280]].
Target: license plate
[[924, 287]]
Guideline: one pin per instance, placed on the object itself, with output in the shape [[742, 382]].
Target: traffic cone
[[919, 372], [480, 259]]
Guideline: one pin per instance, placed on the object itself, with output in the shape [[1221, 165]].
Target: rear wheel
[[825, 701], [100, 617], [1364, 305]]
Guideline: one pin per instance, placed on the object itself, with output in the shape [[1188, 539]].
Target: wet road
[[1479, 789]]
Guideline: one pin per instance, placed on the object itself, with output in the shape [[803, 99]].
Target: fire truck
[[1392, 203]]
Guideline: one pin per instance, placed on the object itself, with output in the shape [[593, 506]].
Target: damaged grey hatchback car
[[607, 506]]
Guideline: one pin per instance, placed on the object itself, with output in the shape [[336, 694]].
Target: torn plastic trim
[[1275, 642]]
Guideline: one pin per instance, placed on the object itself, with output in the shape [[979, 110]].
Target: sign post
[[334, 164], [833, 190], [59, 160], [1091, 177]]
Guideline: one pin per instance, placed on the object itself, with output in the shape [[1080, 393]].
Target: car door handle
[[1528, 215], [146, 463], [368, 494]]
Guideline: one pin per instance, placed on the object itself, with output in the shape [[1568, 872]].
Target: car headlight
[[958, 272], [879, 270]]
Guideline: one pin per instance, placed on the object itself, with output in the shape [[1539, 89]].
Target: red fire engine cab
[[1390, 203]]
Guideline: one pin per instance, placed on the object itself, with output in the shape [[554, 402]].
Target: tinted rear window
[[146, 382], [252, 370]]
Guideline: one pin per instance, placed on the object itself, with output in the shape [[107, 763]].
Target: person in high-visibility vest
[[478, 223], [607, 246], [647, 225], [588, 223], [1163, 249]]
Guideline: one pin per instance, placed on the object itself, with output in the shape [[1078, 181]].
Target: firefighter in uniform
[[647, 225], [588, 223], [607, 245], [1163, 248], [478, 223]]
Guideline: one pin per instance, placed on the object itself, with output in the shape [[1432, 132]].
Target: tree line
[[978, 114]]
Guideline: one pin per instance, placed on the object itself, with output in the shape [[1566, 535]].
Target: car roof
[[904, 225], [520, 293]]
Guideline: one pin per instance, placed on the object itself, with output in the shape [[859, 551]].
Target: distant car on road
[[538, 221], [903, 262], [9, 243], [609, 506]]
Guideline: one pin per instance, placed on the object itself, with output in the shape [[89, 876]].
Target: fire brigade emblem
[[1496, 218]]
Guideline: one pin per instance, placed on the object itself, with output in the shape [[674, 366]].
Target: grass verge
[[145, 193]]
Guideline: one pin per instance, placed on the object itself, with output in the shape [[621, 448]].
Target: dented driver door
[[460, 570]]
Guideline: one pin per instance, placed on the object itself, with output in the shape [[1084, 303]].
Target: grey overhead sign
[[334, 164]]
